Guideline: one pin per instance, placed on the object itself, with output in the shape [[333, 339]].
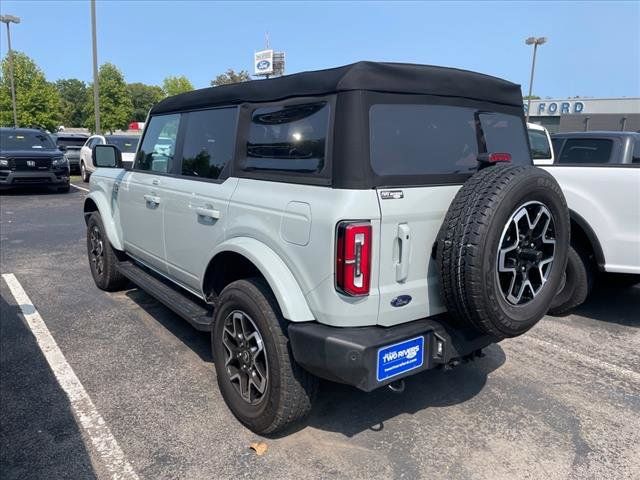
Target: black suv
[[29, 156], [71, 143]]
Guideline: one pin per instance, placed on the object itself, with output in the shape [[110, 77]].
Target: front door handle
[[152, 199], [208, 212]]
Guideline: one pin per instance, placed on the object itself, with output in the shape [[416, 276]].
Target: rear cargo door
[[408, 283], [426, 152]]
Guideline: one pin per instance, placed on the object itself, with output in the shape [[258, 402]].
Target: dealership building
[[584, 114]]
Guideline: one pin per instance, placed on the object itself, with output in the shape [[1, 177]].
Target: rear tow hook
[[397, 386]]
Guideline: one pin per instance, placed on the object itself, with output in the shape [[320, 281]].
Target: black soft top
[[371, 76]]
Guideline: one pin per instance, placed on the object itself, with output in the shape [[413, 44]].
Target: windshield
[[125, 144], [71, 141], [26, 141]]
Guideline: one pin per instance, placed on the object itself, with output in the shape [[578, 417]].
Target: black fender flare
[[591, 237]]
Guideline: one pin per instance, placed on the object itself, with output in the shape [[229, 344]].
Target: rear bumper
[[18, 178], [350, 355]]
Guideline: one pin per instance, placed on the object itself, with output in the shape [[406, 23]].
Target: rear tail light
[[494, 157], [353, 258]]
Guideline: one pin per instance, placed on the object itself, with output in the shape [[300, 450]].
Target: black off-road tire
[[468, 244], [108, 278], [65, 189], [577, 284], [290, 389]]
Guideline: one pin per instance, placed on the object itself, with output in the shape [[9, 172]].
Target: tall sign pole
[[11, 19], [96, 87], [535, 42]]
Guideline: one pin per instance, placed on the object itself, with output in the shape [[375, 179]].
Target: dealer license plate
[[400, 358]]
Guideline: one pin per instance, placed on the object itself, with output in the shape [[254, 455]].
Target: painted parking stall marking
[[86, 414], [400, 358], [79, 188]]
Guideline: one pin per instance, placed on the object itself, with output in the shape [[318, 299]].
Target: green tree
[[73, 93], [230, 76], [175, 85], [143, 98], [116, 108], [37, 100]]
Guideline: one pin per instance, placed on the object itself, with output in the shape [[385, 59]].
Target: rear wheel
[[502, 249], [576, 284], [83, 173], [258, 377]]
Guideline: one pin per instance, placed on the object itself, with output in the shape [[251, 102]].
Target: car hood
[[34, 153]]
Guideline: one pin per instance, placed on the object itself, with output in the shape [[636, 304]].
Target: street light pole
[[535, 42], [11, 19], [96, 87]]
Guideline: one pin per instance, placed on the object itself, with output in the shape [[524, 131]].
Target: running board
[[173, 297]]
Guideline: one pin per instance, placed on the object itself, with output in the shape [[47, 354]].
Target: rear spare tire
[[502, 249]]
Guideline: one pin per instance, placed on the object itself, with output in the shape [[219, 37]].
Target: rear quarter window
[[408, 139], [586, 151], [290, 138]]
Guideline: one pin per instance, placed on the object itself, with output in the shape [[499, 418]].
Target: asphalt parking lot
[[562, 402]]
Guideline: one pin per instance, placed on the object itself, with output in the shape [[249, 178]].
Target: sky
[[593, 48]]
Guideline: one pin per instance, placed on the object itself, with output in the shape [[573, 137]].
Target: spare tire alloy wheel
[[526, 252], [502, 250], [245, 357]]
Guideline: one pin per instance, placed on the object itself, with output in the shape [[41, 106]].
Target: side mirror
[[106, 156]]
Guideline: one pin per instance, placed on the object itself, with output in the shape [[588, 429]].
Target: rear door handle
[[208, 212], [404, 244], [152, 199]]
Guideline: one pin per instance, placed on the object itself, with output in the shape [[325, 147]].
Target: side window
[[540, 148], [209, 142], [90, 142], [586, 150], [159, 144], [288, 138]]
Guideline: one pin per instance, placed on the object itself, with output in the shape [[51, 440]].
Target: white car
[[540, 142], [599, 173], [127, 144]]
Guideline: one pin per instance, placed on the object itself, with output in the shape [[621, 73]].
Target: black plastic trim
[[348, 354], [591, 236]]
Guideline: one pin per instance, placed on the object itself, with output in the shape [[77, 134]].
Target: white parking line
[[79, 188], [85, 411], [615, 369]]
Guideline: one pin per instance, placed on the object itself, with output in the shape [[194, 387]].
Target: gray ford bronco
[[359, 224]]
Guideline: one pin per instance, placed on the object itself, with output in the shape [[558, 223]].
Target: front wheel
[[103, 259], [257, 375]]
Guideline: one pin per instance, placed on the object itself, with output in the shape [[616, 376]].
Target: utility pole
[[535, 42], [11, 19], [96, 87]]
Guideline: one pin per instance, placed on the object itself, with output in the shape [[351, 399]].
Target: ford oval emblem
[[401, 301], [263, 64]]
